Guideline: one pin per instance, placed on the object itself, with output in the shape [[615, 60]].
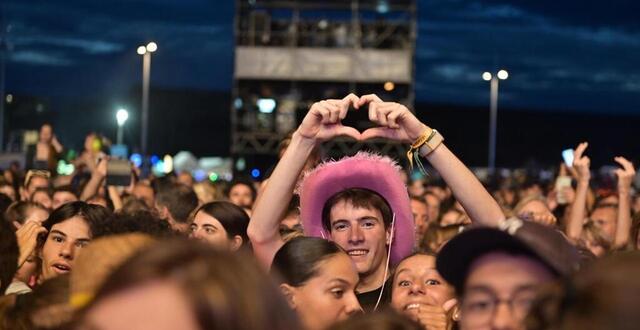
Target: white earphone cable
[[386, 268]]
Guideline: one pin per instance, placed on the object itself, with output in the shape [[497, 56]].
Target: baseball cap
[[513, 235]]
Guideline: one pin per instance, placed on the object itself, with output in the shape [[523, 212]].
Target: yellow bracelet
[[426, 136]]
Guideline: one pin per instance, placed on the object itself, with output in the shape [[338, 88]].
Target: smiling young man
[[360, 202]]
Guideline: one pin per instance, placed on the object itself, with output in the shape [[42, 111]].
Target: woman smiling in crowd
[[422, 294]]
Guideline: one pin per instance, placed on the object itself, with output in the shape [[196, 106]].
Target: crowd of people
[[353, 243]]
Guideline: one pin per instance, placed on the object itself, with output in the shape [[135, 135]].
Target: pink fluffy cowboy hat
[[367, 171]]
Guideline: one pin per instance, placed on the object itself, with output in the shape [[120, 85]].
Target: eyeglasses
[[479, 306]]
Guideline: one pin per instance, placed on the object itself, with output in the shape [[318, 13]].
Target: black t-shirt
[[369, 299]]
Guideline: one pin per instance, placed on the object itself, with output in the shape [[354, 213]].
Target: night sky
[[569, 55]]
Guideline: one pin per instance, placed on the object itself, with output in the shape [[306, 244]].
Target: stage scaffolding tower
[[289, 54]]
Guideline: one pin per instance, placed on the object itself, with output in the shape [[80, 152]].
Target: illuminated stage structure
[[290, 54]]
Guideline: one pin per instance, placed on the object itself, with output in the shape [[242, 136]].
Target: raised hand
[[27, 236], [101, 168], [583, 175], [323, 121], [546, 218], [395, 120], [625, 175], [582, 163], [433, 317]]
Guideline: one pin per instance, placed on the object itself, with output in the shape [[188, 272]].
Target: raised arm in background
[[98, 174], [578, 212], [625, 175]]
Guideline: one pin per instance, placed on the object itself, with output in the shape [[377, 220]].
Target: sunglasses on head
[[33, 173]]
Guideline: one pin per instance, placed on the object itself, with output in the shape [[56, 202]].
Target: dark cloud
[[555, 63], [571, 54], [89, 46]]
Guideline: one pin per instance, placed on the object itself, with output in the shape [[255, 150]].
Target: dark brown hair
[[359, 198], [179, 199], [298, 259], [93, 215], [436, 236]]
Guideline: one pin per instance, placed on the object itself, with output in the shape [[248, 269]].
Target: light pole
[[493, 118], [5, 47], [121, 117], [145, 51]]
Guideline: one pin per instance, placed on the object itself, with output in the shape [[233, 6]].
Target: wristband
[[430, 139]]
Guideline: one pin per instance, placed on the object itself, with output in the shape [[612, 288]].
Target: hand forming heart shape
[[396, 122]]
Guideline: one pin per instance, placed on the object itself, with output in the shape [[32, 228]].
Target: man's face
[[499, 291], [361, 233], [62, 197], [45, 133], [417, 188], [291, 222], [241, 195], [65, 240], [9, 191], [605, 219], [433, 207], [35, 183], [535, 207], [43, 198], [89, 142], [420, 217]]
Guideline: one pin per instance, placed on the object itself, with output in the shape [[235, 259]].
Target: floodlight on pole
[[152, 47], [121, 117], [145, 51], [493, 117]]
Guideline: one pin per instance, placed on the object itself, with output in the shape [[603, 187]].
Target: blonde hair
[[523, 202]]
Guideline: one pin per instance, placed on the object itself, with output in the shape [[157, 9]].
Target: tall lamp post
[[145, 51], [487, 76], [121, 117]]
